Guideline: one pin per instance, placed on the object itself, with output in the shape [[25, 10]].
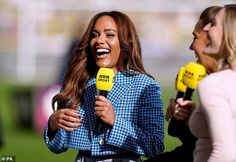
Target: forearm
[[55, 141]]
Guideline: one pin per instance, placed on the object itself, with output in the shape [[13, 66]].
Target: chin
[[103, 65], [211, 51]]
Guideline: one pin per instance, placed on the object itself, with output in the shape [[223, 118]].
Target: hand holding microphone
[[103, 107], [181, 88], [186, 82]]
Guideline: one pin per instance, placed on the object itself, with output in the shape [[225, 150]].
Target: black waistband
[[114, 156]]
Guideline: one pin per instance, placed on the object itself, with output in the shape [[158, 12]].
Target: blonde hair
[[228, 50]]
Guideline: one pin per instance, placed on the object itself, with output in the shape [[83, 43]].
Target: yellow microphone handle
[[104, 83]]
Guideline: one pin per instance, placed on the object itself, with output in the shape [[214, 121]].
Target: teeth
[[102, 50]]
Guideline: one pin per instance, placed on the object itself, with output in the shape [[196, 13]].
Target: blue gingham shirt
[[138, 127]]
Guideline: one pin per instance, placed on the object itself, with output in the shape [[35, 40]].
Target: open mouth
[[208, 41], [103, 51]]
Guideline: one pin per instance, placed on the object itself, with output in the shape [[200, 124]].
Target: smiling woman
[[132, 113], [213, 123]]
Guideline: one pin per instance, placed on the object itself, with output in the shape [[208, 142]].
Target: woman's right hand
[[170, 109], [67, 119], [183, 109]]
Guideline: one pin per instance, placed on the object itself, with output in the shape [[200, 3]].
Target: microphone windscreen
[[194, 72], [105, 79], [179, 85]]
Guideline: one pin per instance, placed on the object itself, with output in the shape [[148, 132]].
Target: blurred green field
[[27, 145]]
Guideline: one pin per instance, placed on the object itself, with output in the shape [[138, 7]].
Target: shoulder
[[215, 79], [138, 81], [144, 79], [216, 84], [146, 84]]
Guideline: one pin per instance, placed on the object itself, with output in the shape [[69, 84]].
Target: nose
[[191, 46], [207, 27], [100, 39]]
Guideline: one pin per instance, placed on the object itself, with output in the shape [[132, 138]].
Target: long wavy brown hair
[[82, 66]]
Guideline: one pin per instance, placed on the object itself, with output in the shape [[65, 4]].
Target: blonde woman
[[214, 122]]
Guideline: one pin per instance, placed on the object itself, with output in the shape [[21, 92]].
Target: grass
[[27, 145]]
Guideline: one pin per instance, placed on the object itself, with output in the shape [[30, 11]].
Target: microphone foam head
[[179, 85], [194, 72], [105, 79]]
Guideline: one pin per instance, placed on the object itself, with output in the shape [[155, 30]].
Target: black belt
[[114, 156]]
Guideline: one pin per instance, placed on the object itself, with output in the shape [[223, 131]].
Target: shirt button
[[101, 142]]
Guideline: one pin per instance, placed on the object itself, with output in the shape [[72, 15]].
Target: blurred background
[[35, 40]]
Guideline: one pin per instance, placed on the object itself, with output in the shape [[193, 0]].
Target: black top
[[182, 153]]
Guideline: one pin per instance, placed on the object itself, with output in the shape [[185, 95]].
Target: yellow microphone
[[104, 83], [179, 85], [181, 89], [194, 72]]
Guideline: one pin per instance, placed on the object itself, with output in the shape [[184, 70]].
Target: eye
[[110, 35], [94, 35]]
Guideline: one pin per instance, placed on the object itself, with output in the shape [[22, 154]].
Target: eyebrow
[[106, 30]]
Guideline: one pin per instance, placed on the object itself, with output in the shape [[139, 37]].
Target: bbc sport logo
[[8, 159]]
